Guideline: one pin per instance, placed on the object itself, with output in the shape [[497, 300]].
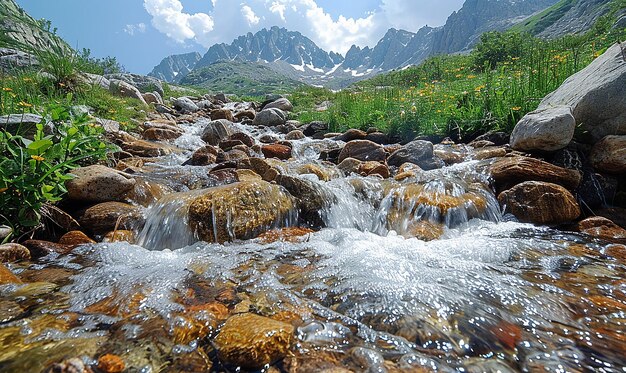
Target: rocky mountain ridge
[[176, 67]]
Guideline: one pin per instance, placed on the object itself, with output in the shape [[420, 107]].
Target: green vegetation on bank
[[506, 76]]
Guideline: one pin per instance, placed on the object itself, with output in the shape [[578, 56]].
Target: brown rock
[[349, 166], [39, 249], [159, 134], [248, 175], [240, 211], [352, 134], [609, 155], [251, 341], [292, 234], [7, 277], [75, 238], [276, 151], [120, 236], [142, 148], [488, 152], [295, 135], [203, 157], [108, 216], [601, 227], [424, 230], [510, 171], [258, 165], [98, 184], [540, 203], [244, 138], [246, 114], [374, 168], [222, 114], [110, 363], [13, 252], [229, 144], [216, 131], [363, 150]]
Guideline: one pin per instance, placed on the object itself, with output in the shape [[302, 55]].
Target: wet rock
[[350, 166], [224, 176], [110, 363], [282, 104], [295, 135], [258, 165], [124, 89], [596, 190], [185, 105], [98, 184], [7, 277], [13, 252], [73, 365], [270, 117], [292, 235], [315, 127], [251, 341], [419, 152], [362, 150], [162, 133], [373, 168], [240, 211], [234, 155], [5, 231], [222, 114], [310, 198], [546, 129], [276, 151], [120, 236], [142, 148], [510, 171], [269, 139], [424, 230], [248, 175], [108, 216], [39, 248], [203, 157], [152, 98], [244, 115], [322, 172], [601, 227], [352, 134], [9, 311], [540, 203], [609, 155], [75, 238], [244, 138], [229, 144], [216, 131]]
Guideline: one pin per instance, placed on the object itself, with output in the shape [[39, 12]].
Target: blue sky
[[142, 32]]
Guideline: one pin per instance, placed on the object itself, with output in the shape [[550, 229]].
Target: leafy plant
[[33, 171]]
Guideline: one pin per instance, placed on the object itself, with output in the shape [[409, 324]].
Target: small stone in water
[[110, 363]]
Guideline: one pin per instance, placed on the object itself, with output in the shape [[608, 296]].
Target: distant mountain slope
[[17, 26], [297, 58], [174, 68], [272, 45], [242, 78], [571, 16]]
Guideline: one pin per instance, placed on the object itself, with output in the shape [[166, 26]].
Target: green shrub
[[33, 171]]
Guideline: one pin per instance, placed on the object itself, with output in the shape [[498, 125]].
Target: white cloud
[[168, 17], [131, 30], [249, 15], [333, 33]]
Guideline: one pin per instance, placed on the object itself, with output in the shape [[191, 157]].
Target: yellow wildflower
[[6, 89], [25, 104], [516, 108], [2, 190], [38, 158], [471, 76]]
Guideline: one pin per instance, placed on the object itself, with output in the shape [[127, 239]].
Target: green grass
[[460, 96]]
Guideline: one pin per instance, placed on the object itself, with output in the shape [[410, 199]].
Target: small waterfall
[[166, 225]]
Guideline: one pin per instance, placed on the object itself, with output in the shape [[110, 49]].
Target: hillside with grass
[[461, 96], [241, 78]]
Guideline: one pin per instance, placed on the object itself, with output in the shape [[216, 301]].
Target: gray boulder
[[270, 117], [185, 105], [596, 95], [419, 152], [123, 89], [282, 104], [144, 83], [95, 80], [217, 131], [25, 124], [548, 129], [11, 59]]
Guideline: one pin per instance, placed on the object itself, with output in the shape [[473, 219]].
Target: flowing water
[[489, 295]]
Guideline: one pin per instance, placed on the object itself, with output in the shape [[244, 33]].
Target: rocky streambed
[[227, 238]]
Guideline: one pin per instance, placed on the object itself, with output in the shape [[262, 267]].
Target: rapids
[[490, 294]]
